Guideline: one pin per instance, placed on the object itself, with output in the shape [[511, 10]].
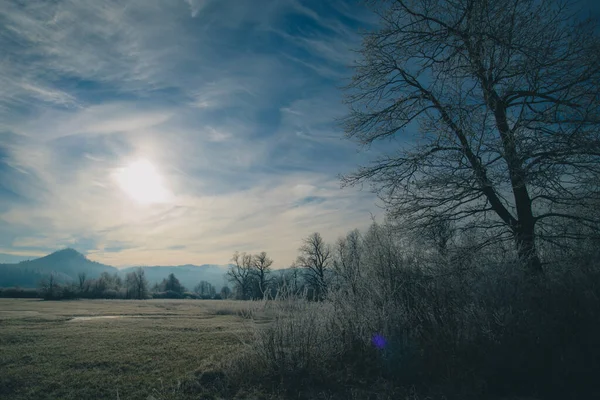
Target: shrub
[[169, 294], [17, 292], [68, 293], [294, 347], [225, 311]]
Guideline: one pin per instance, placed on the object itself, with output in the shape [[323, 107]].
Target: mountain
[[189, 275], [68, 263], [65, 264]]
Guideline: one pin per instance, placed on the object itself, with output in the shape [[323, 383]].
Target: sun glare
[[142, 182]]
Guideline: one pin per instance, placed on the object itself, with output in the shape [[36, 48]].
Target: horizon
[[176, 132]]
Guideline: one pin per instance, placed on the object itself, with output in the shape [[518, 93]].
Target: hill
[[65, 264]]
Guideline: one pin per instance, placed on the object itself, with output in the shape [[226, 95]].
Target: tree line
[[113, 286]]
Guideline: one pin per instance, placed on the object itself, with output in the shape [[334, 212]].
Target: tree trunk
[[524, 228], [525, 242]]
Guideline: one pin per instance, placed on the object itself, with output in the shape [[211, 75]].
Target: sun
[[142, 182]]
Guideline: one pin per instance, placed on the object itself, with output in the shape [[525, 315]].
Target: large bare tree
[[500, 105], [315, 259], [262, 272], [240, 274]]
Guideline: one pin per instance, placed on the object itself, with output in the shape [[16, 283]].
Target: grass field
[[61, 350]]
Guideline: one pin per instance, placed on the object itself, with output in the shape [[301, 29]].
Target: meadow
[[114, 349]]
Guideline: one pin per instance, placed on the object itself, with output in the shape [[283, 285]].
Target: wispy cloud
[[196, 6], [234, 103]]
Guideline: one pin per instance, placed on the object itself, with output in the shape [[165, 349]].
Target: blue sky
[[232, 103]]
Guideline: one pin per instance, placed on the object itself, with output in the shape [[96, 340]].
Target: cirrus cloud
[[234, 103]]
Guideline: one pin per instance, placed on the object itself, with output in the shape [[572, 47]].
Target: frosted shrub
[[457, 326]]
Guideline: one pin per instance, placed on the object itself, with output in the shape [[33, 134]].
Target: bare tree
[[240, 274], [505, 95], [50, 287], [205, 289], [137, 285], [82, 279], [348, 259], [262, 272], [315, 258], [225, 292], [384, 259]]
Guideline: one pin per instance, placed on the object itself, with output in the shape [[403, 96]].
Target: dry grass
[[156, 347]]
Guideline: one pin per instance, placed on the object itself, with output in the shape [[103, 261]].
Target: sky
[[165, 132]]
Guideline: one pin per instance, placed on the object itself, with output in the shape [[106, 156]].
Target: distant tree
[[99, 286], [502, 100], [315, 260], [262, 273], [172, 284], [295, 279], [17, 292], [83, 283], [241, 276], [106, 277], [70, 291], [137, 285], [50, 289], [117, 281], [104, 284], [225, 292], [205, 289]]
